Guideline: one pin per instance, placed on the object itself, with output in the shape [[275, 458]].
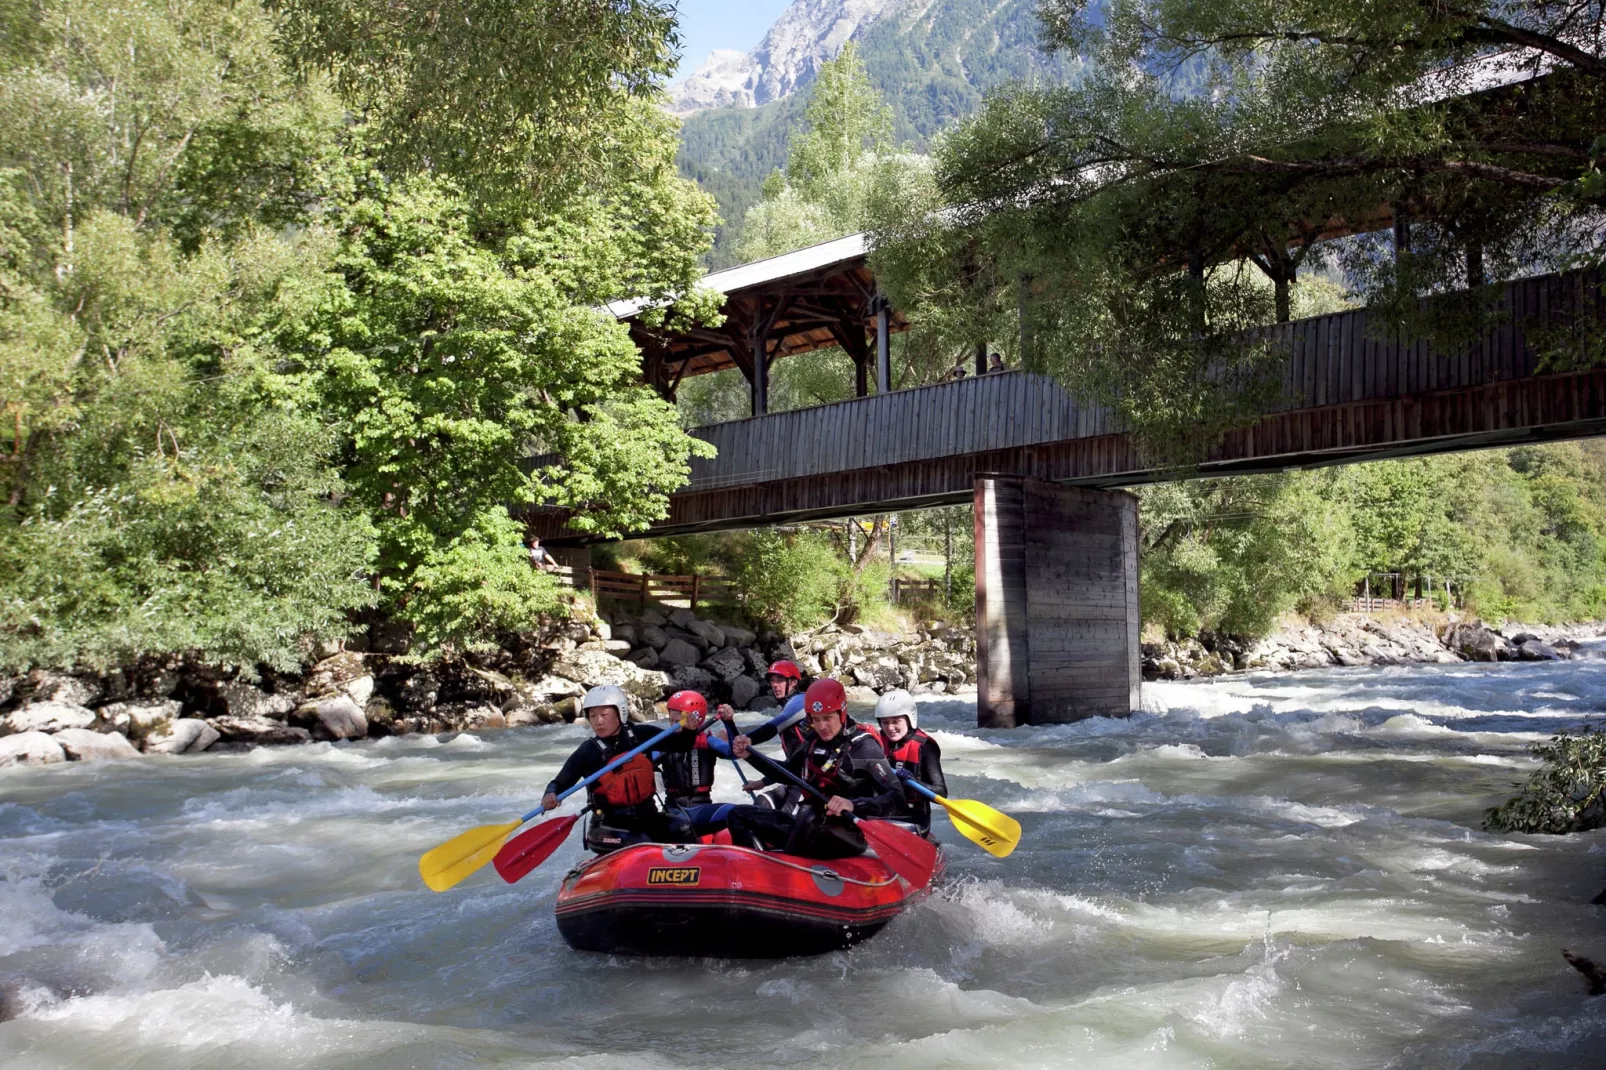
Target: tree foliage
[[262, 360], [1124, 217], [509, 98], [1564, 793]]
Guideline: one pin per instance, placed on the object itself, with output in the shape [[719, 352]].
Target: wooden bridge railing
[[1332, 360]]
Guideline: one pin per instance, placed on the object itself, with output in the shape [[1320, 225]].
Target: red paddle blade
[[909, 856], [532, 847]]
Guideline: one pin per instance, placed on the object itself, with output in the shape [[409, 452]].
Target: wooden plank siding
[[1345, 396]]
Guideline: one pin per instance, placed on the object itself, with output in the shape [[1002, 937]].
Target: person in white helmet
[[912, 751], [624, 803]]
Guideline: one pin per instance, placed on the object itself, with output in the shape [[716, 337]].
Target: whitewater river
[[1269, 871]]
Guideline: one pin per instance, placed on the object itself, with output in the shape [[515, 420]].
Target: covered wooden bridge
[[1056, 576]]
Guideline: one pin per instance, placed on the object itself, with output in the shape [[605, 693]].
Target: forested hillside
[[931, 63]]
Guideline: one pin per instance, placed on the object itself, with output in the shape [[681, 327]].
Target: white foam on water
[[1265, 870]]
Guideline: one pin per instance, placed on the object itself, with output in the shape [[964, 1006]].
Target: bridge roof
[[807, 299]]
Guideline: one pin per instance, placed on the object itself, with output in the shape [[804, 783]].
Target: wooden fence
[[916, 590], [643, 588]]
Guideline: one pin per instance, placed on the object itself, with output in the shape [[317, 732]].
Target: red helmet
[[788, 669], [825, 696], [692, 707]]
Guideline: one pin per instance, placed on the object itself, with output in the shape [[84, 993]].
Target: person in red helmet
[[689, 774], [846, 762], [623, 805]]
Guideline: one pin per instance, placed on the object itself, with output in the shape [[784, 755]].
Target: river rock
[[187, 735], [30, 748], [481, 718], [138, 721], [1475, 642], [49, 716], [338, 718], [744, 689], [737, 636], [258, 730], [678, 652], [593, 668], [682, 618], [861, 696], [418, 693], [626, 633], [82, 745], [239, 699], [654, 636], [551, 688], [652, 617], [646, 657], [360, 689], [712, 634], [691, 678], [1534, 649], [727, 664], [45, 686], [703, 645]]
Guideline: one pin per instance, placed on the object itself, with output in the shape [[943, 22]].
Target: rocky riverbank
[[1357, 639], [370, 688]]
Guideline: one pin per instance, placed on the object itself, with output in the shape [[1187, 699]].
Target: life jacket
[[906, 754], [689, 772], [629, 785], [822, 767]]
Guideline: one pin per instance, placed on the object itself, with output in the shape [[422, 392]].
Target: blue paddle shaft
[[909, 779], [600, 773]]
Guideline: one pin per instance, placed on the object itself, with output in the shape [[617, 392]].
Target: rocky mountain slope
[[808, 33], [933, 60]]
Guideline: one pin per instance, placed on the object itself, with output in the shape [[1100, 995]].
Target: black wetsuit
[[689, 775], [623, 804], [918, 755], [851, 765]]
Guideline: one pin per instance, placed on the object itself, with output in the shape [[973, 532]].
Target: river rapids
[[1264, 871]]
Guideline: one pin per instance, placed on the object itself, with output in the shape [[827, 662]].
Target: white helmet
[[898, 703], [606, 695]]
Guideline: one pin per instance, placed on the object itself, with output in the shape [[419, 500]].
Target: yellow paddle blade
[[443, 866], [994, 832]]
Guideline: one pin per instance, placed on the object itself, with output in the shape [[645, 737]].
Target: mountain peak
[[808, 33]]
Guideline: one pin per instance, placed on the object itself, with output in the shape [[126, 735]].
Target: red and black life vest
[[906, 754], [822, 766]]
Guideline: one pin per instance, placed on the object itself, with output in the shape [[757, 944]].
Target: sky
[[709, 24]]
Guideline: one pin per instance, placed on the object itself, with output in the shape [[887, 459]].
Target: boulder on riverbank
[[30, 748]]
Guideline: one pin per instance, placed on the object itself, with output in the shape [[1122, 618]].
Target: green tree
[[509, 97], [166, 487], [451, 346]]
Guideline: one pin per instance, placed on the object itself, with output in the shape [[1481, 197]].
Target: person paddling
[[912, 751], [845, 762], [689, 774], [624, 803]]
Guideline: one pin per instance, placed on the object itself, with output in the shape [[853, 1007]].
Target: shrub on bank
[[1564, 794]]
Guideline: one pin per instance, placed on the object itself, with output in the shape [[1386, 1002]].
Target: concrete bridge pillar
[[1056, 602]]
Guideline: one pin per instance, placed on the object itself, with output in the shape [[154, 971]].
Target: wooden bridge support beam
[[1056, 602]]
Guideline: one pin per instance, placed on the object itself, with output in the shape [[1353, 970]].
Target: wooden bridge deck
[[1346, 396]]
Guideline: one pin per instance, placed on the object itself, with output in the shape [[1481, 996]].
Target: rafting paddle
[[444, 866], [993, 831], [910, 857]]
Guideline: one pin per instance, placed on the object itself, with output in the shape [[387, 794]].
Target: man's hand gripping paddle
[[445, 866], [910, 857], [994, 832]]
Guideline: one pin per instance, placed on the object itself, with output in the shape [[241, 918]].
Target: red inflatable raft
[[720, 901]]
